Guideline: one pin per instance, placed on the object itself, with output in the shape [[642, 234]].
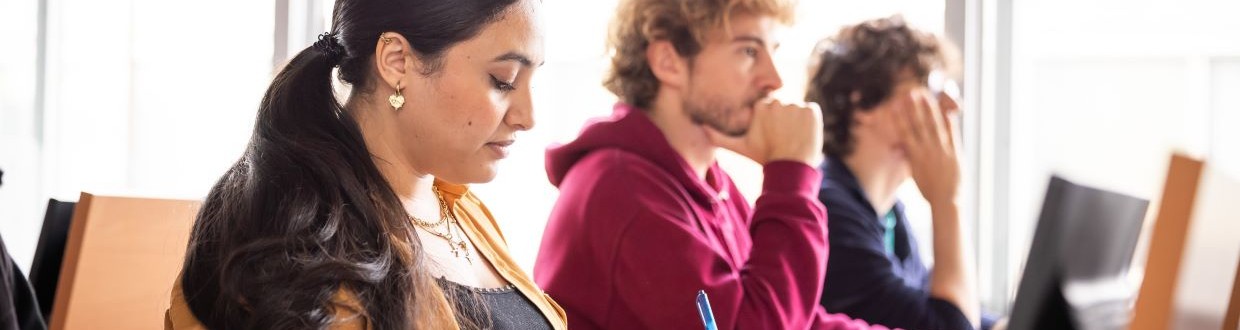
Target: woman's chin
[[479, 174]]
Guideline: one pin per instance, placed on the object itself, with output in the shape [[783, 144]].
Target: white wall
[[1104, 91], [144, 97], [21, 202]]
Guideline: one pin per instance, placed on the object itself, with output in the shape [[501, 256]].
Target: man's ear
[[394, 58], [862, 117], [668, 66]]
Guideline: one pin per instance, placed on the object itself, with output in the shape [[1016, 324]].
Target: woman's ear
[[393, 58], [666, 64]]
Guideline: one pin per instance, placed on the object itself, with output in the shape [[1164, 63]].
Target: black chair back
[[45, 269]]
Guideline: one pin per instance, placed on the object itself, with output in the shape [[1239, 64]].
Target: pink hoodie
[[635, 234]]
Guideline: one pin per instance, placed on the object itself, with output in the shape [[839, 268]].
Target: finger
[[814, 107], [815, 112], [950, 104], [762, 111], [928, 119], [949, 118], [901, 117], [925, 116], [937, 119], [914, 113]]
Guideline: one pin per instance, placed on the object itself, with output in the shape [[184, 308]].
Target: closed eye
[[502, 85]]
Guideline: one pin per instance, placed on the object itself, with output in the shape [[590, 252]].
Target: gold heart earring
[[397, 99]]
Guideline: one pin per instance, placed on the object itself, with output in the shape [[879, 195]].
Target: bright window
[[143, 97]]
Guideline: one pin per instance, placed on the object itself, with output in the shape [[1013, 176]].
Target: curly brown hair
[[867, 60], [685, 23]]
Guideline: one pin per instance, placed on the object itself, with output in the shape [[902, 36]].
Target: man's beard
[[715, 113]]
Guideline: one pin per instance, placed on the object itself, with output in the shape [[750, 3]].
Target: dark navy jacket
[[863, 280]]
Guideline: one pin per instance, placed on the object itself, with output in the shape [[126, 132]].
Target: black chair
[[1075, 276], [45, 269]]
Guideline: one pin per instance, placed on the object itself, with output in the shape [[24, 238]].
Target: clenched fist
[[778, 131]]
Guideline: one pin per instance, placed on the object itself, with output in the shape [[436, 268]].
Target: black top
[[18, 307], [866, 281], [499, 308]]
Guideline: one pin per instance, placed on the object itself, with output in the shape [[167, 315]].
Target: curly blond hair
[[685, 23]]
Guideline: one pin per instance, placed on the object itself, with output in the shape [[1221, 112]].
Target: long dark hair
[[305, 214]]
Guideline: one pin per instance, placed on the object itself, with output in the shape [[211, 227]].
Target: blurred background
[[158, 97]]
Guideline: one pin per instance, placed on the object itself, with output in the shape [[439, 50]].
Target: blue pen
[[708, 317]]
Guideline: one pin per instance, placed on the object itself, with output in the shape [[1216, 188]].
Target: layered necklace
[[451, 229]]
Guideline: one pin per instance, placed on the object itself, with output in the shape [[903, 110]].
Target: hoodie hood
[[629, 129]]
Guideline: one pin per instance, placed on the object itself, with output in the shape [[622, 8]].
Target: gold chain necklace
[[448, 220]]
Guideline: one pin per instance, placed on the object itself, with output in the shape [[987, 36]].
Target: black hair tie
[[330, 47]]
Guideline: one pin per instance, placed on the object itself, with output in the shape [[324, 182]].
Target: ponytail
[[305, 215], [302, 216]]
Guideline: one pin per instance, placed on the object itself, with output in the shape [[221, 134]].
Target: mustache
[[759, 96]]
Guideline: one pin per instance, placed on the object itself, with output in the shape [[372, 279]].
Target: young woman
[[355, 215]]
